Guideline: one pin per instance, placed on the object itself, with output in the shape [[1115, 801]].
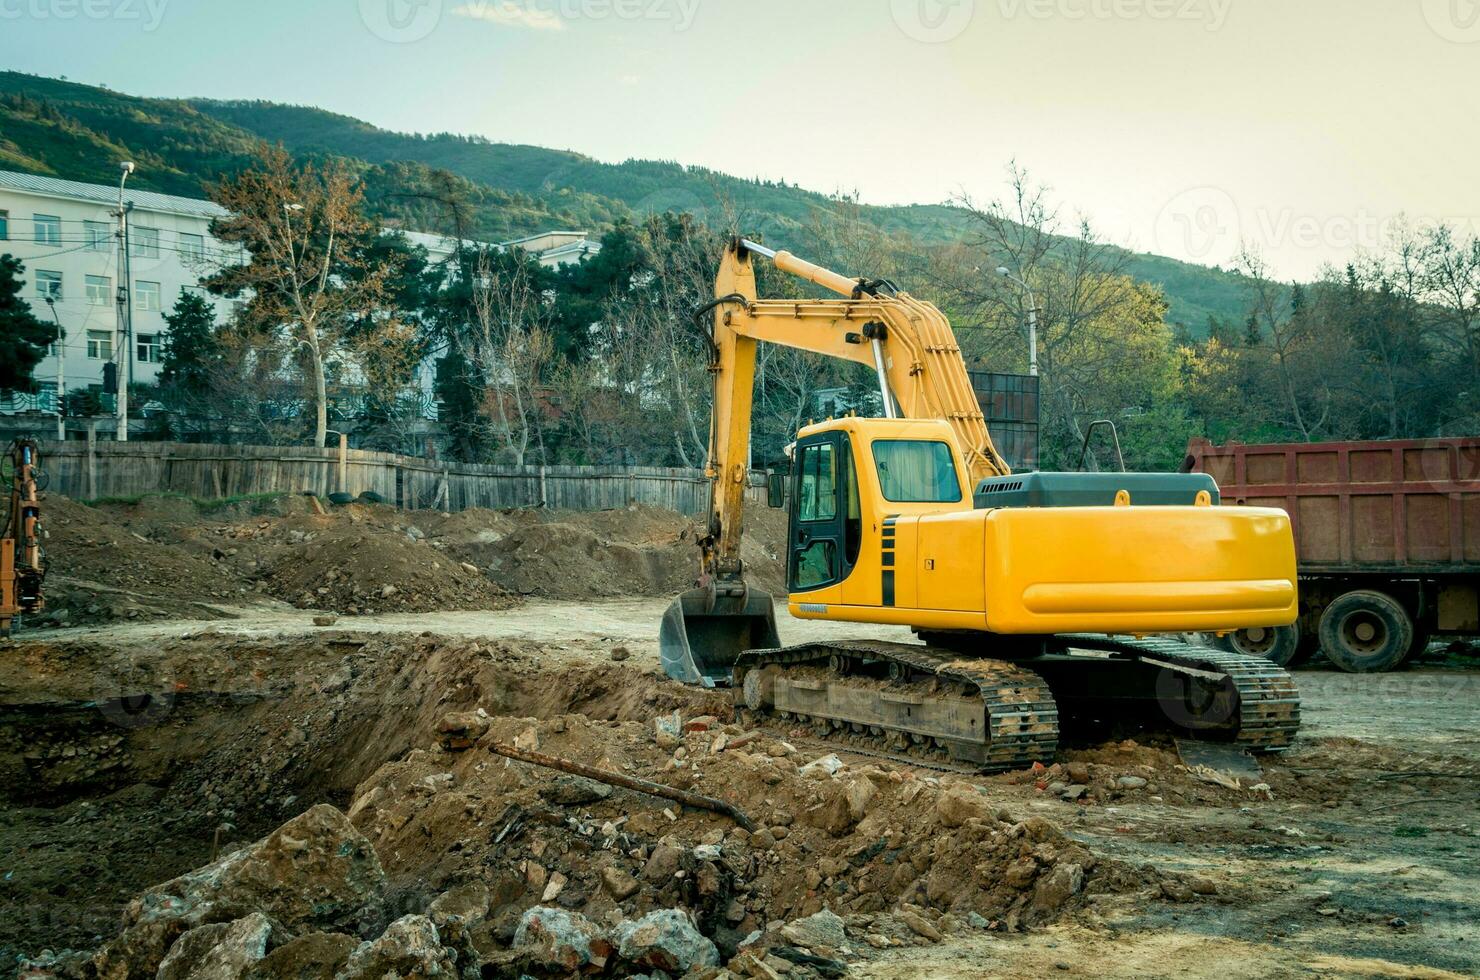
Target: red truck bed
[[1395, 506]]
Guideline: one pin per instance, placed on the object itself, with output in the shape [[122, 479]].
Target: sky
[[1306, 129]]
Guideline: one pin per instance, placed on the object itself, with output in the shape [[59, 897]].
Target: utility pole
[[1006, 273], [61, 372], [125, 308]]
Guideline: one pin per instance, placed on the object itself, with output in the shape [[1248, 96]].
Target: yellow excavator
[[1033, 596]]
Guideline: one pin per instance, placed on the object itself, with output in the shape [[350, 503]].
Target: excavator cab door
[[822, 549]]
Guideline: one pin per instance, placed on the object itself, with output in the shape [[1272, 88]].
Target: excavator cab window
[[916, 471], [824, 510]]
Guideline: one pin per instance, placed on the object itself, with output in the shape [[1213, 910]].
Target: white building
[[66, 234]]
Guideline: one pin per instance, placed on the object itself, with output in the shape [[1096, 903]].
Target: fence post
[[92, 459]]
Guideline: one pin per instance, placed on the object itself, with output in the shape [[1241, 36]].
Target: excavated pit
[[120, 768]]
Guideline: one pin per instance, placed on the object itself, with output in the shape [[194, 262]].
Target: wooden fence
[[87, 470]]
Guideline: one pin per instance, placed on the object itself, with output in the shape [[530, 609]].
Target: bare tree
[[1274, 329], [510, 344], [1451, 283], [302, 273], [1084, 300]]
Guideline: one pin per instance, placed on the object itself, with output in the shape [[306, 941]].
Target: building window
[[148, 348], [100, 345], [98, 235], [146, 295], [48, 284], [48, 229], [99, 290], [4, 226], [144, 242], [192, 246]]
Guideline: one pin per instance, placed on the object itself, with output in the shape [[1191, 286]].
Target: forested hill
[[65, 129]]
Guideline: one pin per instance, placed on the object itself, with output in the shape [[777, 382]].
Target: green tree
[[23, 337], [191, 350]]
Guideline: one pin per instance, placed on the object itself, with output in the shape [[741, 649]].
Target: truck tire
[[1278, 644], [1366, 632]]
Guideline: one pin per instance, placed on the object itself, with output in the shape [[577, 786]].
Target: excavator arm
[[908, 342]]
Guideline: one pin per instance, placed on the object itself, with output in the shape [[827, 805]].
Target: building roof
[[575, 243], [108, 194]]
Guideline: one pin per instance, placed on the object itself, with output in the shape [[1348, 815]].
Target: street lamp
[[288, 209], [61, 371], [125, 307], [1006, 273]]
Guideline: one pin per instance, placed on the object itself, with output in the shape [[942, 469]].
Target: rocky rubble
[[452, 862], [314, 872]]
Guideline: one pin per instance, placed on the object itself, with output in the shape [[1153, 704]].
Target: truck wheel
[[1279, 644], [1366, 632]]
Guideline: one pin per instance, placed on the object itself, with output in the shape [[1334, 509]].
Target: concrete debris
[[558, 939], [409, 948], [665, 940], [668, 730], [822, 931], [828, 765], [618, 883], [959, 804], [316, 870], [311, 956], [459, 730], [919, 925], [574, 791], [220, 951]]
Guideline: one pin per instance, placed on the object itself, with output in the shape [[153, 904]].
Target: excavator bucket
[[701, 635]]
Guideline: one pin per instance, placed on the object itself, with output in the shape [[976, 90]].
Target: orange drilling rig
[[21, 566]]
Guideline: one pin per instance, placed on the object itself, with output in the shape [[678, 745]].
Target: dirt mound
[[864, 842], [100, 570], [167, 556], [356, 566], [573, 555]]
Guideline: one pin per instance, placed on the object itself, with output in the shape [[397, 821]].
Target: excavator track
[[996, 715], [1254, 700], [990, 713]]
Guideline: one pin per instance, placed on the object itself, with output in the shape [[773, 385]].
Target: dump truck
[[1387, 536], [1035, 598]]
